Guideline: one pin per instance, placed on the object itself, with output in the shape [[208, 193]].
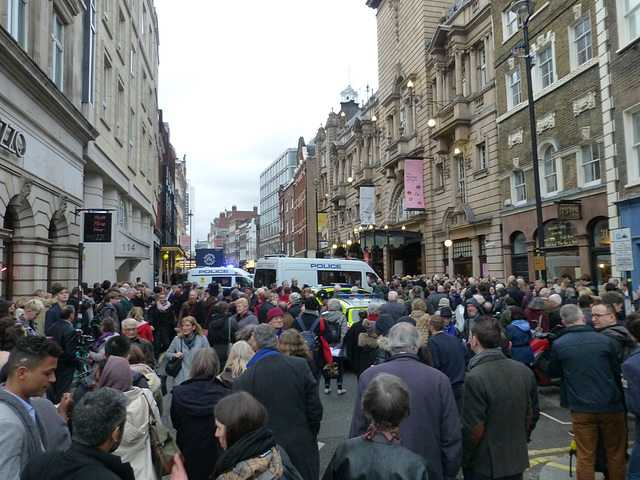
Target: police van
[[223, 276], [312, 271]]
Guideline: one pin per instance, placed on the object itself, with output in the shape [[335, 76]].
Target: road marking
[[555, 419], [548, 450], [537, 461], [320, 445], [561, 466]]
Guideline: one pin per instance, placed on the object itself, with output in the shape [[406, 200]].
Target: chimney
[[255, 210]]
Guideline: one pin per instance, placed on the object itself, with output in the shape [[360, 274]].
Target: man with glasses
[[604, 320], [590, 389], [129, 330]]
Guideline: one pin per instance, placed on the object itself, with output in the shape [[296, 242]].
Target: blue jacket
[[631, 384], [590, 371], [519, 332], [449, 356]]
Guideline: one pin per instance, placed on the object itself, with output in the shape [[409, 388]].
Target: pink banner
[[413, 188]]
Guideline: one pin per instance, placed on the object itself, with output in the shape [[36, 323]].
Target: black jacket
[[376, 459], [285, 386], [64, 334], [161, 319], [620, 339], [218, 334], [192, 416], [79, 462]]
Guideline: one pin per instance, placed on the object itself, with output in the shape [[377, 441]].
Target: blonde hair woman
[[144, 329], [240, 354], [189, 341]]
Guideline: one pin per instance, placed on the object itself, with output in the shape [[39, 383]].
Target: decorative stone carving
[[516, 162], [586, 133], [584, 103], [59, 213], [543, 40], [546, 122], [25, 191], [577, 11], [515, 138], [511, 62]]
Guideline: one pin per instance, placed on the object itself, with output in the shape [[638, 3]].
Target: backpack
[[331, 332], [309, 336]]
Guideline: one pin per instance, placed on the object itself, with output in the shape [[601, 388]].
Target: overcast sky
[[242, 81]]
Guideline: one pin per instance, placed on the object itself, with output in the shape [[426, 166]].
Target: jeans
[[340, 362], [633, 471], [587, 427]]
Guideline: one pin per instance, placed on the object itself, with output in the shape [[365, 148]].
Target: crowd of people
[[445, 373]]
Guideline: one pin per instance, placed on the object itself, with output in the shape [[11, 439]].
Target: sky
[[242, 81]]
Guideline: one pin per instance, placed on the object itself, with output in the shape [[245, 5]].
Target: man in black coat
[[393, 307], [285, 386], [98, 425], [64, 334]]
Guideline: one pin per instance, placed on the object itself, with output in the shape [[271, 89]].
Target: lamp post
[[524, 10], [190, 236]]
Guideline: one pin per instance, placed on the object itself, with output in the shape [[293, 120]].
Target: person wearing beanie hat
[[275, 318], [444, 302]]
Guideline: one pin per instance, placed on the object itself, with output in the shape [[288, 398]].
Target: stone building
[[567, 91], [43, 143], [305, 201]]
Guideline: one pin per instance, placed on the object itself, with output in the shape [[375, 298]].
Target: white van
[[224, 276], [313, 271]]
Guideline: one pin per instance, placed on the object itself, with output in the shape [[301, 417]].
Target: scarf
[[451, 329], [34, 438], [260, 354], [101, 339], [163, 307], [372, 431], [253, 444], [487, 352], [189, 341]]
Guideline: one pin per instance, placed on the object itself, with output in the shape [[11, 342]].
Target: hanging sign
[[97, 227]]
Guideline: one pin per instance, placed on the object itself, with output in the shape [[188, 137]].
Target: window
[[514, 89], [106, 86], [591, 163], [632, 134], [88, 60], [462, 181], [520, 187], [106, 8], [482, 63], [545, 66], [121, 30], [123, 215], [629, 20], [482, 156], [439, 175], [509, 24], [119, 109], [57, 39], [582, 42], [132, 131], [132, 62], [17, 21], [550, 170]]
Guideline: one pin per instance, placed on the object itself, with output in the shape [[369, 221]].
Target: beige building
[[43, 142]]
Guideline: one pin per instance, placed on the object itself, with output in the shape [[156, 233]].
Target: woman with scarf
[[379, 453], [135, 447], [108, 331], [189, 341], [248, 445], [162, 320]]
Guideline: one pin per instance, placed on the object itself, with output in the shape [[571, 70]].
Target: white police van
[[312, 271], [224, 276]]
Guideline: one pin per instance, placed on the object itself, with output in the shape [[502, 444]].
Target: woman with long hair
[[248, 445], [291, 343], [240, 354], [189, 341], [144, 330], [192, 407]]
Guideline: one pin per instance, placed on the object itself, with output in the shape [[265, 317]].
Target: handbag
[[163, 445], [330, 370], [174, 365]]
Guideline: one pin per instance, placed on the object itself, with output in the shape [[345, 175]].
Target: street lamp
[[190, 236], [524, 9]]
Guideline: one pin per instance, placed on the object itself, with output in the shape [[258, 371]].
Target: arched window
[[550, 170]]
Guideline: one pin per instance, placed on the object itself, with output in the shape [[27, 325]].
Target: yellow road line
[[549, 450], [537, 461]]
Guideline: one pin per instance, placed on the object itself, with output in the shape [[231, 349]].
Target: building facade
[[276, 174], [568, 99]]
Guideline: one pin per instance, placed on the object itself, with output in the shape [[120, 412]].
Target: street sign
[[621, 238], [538, 263], [97, 227]]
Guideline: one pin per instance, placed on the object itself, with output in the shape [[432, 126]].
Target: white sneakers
[[327, 390], [341, 391]]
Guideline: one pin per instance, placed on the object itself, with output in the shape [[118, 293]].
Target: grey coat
[[334, 316], [178, 345]]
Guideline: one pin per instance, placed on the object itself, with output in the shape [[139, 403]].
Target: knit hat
[[444, 302], [274, 312]]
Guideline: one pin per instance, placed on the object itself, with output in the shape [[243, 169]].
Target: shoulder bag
[[163, 445], [174, 365]]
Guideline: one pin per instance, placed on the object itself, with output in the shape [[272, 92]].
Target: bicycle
[[84, 364]]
